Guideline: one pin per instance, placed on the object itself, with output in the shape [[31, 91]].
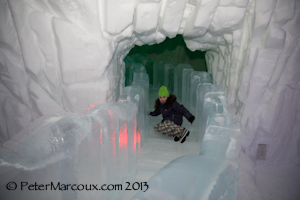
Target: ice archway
[[67, 55]]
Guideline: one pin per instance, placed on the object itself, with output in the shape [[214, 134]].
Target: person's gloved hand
[[191, 119]]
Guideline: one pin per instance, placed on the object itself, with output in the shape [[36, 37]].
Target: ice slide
[[70, 156]]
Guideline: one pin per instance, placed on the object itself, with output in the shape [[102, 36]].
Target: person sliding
[[172, 113]]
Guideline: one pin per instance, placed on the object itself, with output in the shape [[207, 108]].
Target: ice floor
[[274, 182], [158, 151]]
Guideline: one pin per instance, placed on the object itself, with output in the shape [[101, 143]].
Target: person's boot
[[184, 135], [176, 139]]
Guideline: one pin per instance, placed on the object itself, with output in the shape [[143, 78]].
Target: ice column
[[146, 62], [186, 87], [197, 78], [131, 67], [128, 70], [141, 79], [169, 77], [178, 79], [210, 99], [159, 73]]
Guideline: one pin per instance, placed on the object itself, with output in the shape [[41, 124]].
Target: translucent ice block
[[113, 147], [214, 102], [146, 62], [197, 77], [192, 177], [202, 90], [140, 58], [142, 79], [169, 77], [186, 87], [222, 138], [128, 60], [128, 70], [178, 79], [48, 154], [138, 67], [135, 95], [50, 141], [159, 73]]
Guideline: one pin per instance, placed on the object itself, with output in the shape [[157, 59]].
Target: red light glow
[[123, 135], [91, 107], [101, 139], [139, 138], [136, 137]]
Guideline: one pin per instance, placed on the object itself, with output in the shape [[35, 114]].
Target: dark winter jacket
[[172, 110]]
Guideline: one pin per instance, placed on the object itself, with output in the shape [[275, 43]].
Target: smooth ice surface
[[186, 87], [178, 79], [146, 62], [210, 100], [222, 138], [200, 178], [196, 79], [159, 73], [128, 70], [169, 77]]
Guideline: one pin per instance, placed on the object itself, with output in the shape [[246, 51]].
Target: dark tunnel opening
[[171, 51]]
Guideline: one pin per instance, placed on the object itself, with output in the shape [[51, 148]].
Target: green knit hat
[[163, 92]]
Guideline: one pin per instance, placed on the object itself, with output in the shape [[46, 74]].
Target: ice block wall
[[169, 77], [210, 98], [128, 70], [159, 73], [146, 62], [214, 173], [186, 81], [178, 79], [100, 146]]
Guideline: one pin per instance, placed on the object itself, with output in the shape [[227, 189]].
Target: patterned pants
[[169, 128]]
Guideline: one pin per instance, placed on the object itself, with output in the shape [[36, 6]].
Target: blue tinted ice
[[186, 87], [142, 79], [146, 62], [128, 70], [178, 79], [200, 178], [222, 138], [202, 90], [197, 78], [138, 67], [169, 77], [159, 73], [51, 141]]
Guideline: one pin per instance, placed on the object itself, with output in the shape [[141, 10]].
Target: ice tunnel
[[60, 59]]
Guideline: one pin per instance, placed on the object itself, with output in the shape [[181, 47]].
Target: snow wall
[[64, 56]]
